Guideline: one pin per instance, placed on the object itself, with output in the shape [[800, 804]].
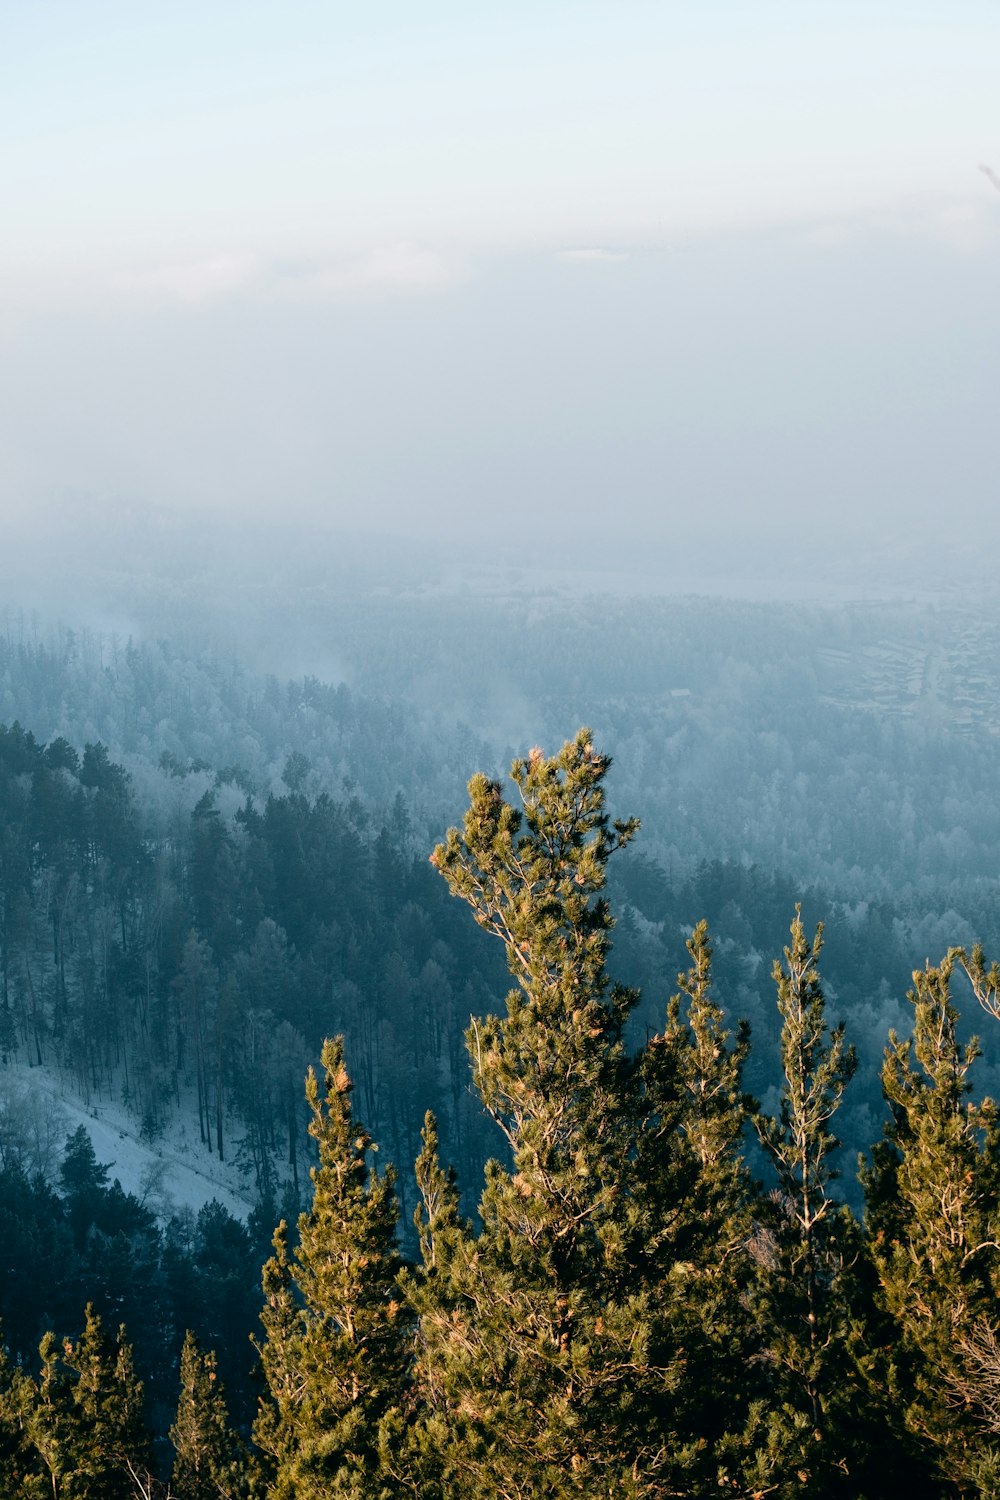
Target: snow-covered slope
[[173, 1172]]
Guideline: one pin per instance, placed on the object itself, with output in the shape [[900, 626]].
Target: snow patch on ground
[[175, 1171]]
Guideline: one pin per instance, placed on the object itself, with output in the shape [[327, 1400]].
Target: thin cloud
[[591, 253], [382, 270], [989, 172], [963, 223], [204, 280]]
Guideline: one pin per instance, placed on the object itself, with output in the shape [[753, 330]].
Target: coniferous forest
[[609, 1236]]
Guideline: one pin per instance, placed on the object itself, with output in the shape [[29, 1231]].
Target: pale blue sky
[[134, 134], [317, 255]]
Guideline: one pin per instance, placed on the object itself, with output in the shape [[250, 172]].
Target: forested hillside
[[201, 965], [844, 757], [642, 1306], [205, 873]]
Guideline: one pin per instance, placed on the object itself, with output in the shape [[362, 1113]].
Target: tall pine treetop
[[531, 874], [335, 1356], [533, 877]]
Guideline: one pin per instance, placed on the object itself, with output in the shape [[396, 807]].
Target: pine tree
[[437, 1219], [696, 1203], [694, 1111], [84, 1182], [21, 1470], [717, 1107], [87, 1424], [281, 1316], [809, 1251], [335, 1350], [415, 1455], [536, 1356], [933, 1223], [538, 891], [210, 1462], [52, 1428]]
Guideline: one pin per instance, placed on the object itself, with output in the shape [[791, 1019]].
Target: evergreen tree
[[717, 1109], [274, 1430], [415, 1453], [933, 1222], [809, 1250], [536, 1356], [52, 1430], [84, 1182], [695, 1203], [335, 1350], [437, 1219], [88, 1424], [210, 1462], [21, 1471]]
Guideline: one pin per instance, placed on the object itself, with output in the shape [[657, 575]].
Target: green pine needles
[[336, 1338], [933, 1218]]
